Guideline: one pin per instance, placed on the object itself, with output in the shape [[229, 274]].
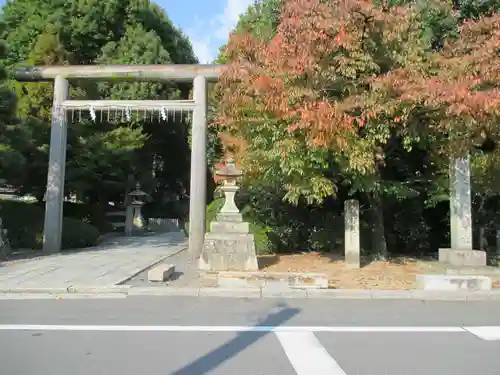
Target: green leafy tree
[[12, 136], [102, 155], [305, 105]]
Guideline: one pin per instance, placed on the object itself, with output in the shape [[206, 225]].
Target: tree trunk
[[379, 243]]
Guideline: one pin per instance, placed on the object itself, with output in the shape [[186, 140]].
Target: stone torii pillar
[[200, 75], [54, 196], [198, 182]]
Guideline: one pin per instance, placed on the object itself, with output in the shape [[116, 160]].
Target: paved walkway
[[111, 263]]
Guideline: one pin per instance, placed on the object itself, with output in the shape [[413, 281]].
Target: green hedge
[[94, 215], [24, 222]]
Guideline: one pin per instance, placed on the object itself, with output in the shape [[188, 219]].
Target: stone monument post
[[229, 246], [461, 252], [4, 241], [351, 237], [134, 221], [497, 238]]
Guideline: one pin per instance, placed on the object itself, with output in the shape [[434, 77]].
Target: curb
[[258, 293], [73, 289]]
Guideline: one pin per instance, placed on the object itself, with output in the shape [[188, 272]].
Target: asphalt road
[[191, 336]]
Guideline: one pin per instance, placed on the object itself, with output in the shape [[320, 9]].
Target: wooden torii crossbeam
[[200, 75]]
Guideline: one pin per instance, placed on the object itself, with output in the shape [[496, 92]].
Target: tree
[[101, 154], [11, 136], [324, 103]]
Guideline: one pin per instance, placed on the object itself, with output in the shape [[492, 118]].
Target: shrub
[[94, 215], [77, 234], [24, 222]]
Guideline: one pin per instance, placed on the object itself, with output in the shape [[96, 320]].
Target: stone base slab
[[270, 280], [461, 258], [493, 272], [454, 282], [229, 227]]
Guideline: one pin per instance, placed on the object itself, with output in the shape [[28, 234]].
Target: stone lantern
[[134, 221], [230, 174], [229, 245]]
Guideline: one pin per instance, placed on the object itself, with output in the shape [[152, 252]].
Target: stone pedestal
[[461, 258], [229, 246], [134, 221]]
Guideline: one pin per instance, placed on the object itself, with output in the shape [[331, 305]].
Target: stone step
[[454, 282]]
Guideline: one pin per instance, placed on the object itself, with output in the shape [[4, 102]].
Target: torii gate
[[200, 75]]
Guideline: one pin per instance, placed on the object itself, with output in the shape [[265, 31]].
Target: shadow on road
[[243, 340]]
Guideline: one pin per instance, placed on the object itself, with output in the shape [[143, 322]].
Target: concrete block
[[453, 282], [161, 273], [460, 258]]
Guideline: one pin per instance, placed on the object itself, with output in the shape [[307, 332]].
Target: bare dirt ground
[[396, 274]]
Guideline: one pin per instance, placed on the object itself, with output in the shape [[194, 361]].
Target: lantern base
[[228, 252], [229, 246]]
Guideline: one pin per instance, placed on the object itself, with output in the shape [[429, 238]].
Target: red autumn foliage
[[465, 81], [325, 73]]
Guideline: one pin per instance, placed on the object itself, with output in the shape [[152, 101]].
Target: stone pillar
[[460, 204], [461, 252], [483, 239], [52, 231], [198, 183], [498, 244], [351, 237]]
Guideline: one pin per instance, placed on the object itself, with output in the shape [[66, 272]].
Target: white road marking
[[486, 333], [307, 355], [379, 329]]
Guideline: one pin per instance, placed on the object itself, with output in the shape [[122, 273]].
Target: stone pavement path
[[111, 263]]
